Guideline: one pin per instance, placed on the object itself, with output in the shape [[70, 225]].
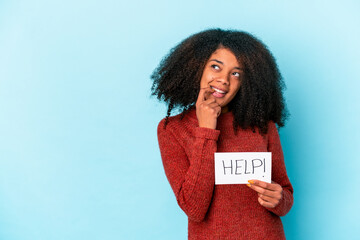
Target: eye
[[236, 74], [214, 66]]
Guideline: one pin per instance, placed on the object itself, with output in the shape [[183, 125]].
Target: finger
[[209, 100], [201, 96], [213, 105], [216, 107], [265, 203], [263, 191], [208, 94], [219, 111], [269, 199], [270, 186]]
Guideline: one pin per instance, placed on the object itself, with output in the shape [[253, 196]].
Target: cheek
[[234, 91], [202, 83], [237, 86], [205, 80]]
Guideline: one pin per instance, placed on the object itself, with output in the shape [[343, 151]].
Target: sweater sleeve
[[279, 174], [190, 173]]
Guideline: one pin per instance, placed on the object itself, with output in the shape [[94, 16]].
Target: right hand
[[207, 109]]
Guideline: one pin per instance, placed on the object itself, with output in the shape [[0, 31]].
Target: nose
[[224, 80]]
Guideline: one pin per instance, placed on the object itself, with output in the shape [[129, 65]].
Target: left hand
[[269, 194]]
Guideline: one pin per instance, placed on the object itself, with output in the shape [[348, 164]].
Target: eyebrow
[[223, 64]]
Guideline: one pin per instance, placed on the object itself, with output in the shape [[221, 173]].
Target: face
[[222, 73]]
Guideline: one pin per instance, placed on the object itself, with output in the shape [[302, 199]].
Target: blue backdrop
[[79, 157]]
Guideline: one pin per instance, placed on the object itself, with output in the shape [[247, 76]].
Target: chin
[[221, 103]]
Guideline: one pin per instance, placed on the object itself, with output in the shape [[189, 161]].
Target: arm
[[279, 174], [191, 177]]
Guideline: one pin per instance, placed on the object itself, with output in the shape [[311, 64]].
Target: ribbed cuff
[[282, 208], [207, 133]]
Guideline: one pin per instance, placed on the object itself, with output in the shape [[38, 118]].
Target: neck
[[224, 109]]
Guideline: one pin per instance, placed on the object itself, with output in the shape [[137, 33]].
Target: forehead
[[226, 56]]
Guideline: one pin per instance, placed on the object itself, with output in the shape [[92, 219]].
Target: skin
[[221, 71], [224, 72], [269, 194]]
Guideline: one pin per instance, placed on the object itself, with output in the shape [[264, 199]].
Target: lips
[[219, 93]]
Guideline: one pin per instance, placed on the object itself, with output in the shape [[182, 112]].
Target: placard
[[239, 167]]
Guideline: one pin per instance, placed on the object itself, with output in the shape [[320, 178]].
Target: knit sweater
[[230, 211]]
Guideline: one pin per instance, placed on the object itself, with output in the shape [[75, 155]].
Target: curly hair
[[176, 80]]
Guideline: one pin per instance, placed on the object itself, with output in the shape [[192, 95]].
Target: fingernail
[[251, 181]]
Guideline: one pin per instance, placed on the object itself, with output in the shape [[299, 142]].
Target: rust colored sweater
[[229, 211]]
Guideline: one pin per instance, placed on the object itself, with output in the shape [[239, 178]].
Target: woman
[[229, 90]]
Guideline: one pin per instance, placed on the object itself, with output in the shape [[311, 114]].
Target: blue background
[[79, 157]]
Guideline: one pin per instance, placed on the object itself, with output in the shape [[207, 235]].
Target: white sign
[[239, 167]]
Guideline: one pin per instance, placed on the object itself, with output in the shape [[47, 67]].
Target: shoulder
[[169, 123], [179, 129], [272, 127], [179, 121], [179, 124], [273, 133]]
